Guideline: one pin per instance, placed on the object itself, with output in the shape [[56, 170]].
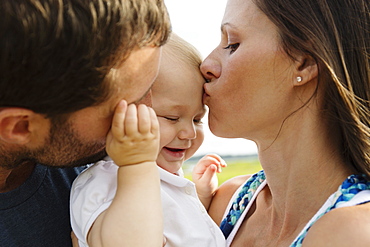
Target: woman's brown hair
[[336, 33]]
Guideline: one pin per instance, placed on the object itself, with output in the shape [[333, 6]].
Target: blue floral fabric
[[241, 201], [346, 191], [349, 188]]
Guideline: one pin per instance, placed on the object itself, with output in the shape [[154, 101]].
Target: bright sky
[[198, 22]]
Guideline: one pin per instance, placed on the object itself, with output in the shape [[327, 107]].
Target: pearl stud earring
[[299, 79]]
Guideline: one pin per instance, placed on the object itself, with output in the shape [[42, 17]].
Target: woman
[[293, 76]]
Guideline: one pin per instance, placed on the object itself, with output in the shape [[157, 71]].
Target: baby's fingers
[[217, 157], [217, 160], [131, 120], [209, 173], [154, 122], [118, 119], [144, 121]]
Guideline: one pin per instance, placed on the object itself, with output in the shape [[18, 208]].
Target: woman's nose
[[210, 68]]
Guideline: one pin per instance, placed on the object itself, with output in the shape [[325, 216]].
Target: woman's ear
[[306, 70], [14, 125]]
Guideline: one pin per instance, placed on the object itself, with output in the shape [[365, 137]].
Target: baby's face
[[177, 100]]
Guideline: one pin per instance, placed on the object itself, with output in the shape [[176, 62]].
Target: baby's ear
[[306, 70], [15, 125]]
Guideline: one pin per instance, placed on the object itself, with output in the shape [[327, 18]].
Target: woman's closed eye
[[198, 121]]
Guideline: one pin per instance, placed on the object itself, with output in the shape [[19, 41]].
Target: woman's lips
[[205, 97], [205, 94]]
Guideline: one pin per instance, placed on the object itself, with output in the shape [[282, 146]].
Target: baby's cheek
[[200, 134], [164, 134], [196, 143]]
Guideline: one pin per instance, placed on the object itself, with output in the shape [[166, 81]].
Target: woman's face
[[250, 75]]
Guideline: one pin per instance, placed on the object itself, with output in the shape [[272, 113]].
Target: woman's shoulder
[[228, 188], [347, 226], [234, 183], [223, 196]]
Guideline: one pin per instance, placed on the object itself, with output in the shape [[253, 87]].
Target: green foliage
[[235, 166]]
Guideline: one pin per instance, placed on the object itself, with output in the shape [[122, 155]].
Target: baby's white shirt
[[186, 221]]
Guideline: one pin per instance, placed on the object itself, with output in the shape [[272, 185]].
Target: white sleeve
[[92, 193]]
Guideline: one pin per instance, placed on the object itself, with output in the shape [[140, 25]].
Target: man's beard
[[62, 148]]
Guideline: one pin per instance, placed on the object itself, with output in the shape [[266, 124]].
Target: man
[[64, 66]]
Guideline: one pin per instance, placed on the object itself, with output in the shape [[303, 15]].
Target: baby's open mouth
[[175, 149]]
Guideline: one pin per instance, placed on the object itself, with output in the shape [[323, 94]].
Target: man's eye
[[232, 47]]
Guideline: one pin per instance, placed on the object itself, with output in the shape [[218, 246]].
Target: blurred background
[[198, 22]]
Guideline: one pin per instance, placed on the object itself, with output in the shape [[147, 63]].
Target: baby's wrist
[[134, 163], [206, 195]]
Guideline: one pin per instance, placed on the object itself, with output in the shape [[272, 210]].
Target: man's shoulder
[[64, 175], [37, 213]]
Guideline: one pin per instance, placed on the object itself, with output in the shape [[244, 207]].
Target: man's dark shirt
[[37, 213]]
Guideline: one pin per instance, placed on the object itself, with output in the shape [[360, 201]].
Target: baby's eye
[[232, 47], [172, 119]]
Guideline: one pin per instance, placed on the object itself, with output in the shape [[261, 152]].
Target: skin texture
[[253, 93]]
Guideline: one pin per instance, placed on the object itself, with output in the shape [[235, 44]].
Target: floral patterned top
[[353, 185]]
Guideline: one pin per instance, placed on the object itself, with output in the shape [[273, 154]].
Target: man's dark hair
[[55, 54]]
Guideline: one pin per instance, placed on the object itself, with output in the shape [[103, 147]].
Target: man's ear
[[306, 70], [14, 125]]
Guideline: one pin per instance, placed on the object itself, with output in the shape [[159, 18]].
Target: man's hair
[[55, 54]]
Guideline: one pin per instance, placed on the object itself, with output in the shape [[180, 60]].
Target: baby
[[177, 101]]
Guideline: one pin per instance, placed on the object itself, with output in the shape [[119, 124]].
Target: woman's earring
[[299, 79]]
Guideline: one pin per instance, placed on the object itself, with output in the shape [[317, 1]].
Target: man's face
[[81, 139]]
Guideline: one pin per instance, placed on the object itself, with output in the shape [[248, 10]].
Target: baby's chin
[[169, 168]]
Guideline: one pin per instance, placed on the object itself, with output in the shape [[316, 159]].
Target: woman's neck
[[303, 168]]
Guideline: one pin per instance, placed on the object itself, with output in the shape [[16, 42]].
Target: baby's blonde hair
[[178, 48]]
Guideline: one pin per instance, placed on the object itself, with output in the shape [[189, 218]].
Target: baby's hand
[[134, 135], [204, 175]]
